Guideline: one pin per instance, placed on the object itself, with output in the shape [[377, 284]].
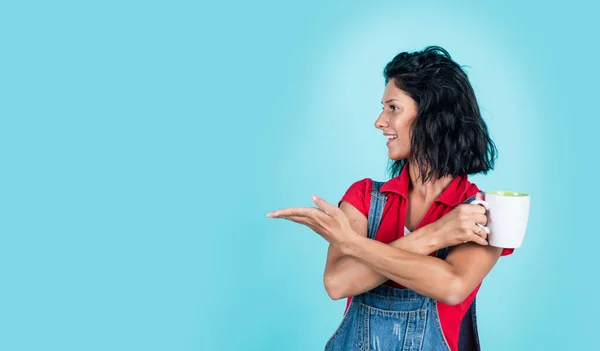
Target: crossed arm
[[361, 264]]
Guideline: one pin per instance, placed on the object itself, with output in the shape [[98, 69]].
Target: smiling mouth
[[391, 138]]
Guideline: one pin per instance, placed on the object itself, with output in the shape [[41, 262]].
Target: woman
[[410, 254]]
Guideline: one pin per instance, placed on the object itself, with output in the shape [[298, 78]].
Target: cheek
[[407, 130], [406, 144], [405, 136], [406, 133], [402, 122]]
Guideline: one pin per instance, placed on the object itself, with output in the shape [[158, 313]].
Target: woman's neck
[[429, 190]]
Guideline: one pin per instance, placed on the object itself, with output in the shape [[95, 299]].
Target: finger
[[479, 240], [478, 230], [298, 219], [325, 206], [474, 209], [482, 231], [480, 218], [315, 227], [313, 221], [295, 211]]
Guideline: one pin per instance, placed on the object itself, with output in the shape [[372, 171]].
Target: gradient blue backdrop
[[143, 142]]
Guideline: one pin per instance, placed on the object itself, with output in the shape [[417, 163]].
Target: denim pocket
[[379, 329]]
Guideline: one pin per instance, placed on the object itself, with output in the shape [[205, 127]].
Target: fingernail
[[272, 214], [314, 197]]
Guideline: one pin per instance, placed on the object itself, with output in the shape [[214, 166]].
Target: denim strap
[[468, 339], [376, 209]]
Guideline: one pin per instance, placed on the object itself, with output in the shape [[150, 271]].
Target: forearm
[[350, 276], [424, 274]]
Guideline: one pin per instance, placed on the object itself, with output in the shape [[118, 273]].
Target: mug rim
[[507, 193]]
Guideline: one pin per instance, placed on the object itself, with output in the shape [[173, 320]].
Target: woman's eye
[[392, 108]]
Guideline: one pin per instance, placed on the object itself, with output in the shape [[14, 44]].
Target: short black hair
[[448, 136]]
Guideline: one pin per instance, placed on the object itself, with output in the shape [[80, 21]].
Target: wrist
[[435, 240], [349, 245]]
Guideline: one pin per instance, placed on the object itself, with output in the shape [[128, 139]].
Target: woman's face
[[399, 111]]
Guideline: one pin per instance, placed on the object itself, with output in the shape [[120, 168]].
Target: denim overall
[[391, 319]]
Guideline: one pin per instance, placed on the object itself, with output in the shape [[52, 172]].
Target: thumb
[[322, 204]]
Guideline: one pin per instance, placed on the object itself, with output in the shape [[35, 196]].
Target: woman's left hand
[[327, 220]]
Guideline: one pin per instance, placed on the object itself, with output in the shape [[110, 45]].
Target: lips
[[391, 138]]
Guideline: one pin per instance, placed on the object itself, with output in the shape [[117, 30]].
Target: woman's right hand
[[460, 225]]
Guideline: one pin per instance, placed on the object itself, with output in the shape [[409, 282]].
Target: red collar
[[451, 196]]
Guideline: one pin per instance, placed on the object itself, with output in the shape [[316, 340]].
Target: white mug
[[508, 213]]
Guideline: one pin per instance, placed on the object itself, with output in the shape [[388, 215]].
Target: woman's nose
[[380, 122]]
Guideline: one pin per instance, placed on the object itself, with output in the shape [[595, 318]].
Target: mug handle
[[487, 208]]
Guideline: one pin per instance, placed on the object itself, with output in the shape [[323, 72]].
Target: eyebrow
[[390, 100]]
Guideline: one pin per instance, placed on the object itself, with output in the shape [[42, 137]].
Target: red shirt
[[392, 228]]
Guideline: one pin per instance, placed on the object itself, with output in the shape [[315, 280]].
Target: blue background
[[143, 142]]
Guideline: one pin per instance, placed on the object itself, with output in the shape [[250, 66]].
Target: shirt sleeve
[[506, 252], [359, 195]]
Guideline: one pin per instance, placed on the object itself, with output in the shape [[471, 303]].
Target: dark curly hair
[[448, 136]]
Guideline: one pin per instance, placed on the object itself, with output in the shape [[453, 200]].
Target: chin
[[397, 157]]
